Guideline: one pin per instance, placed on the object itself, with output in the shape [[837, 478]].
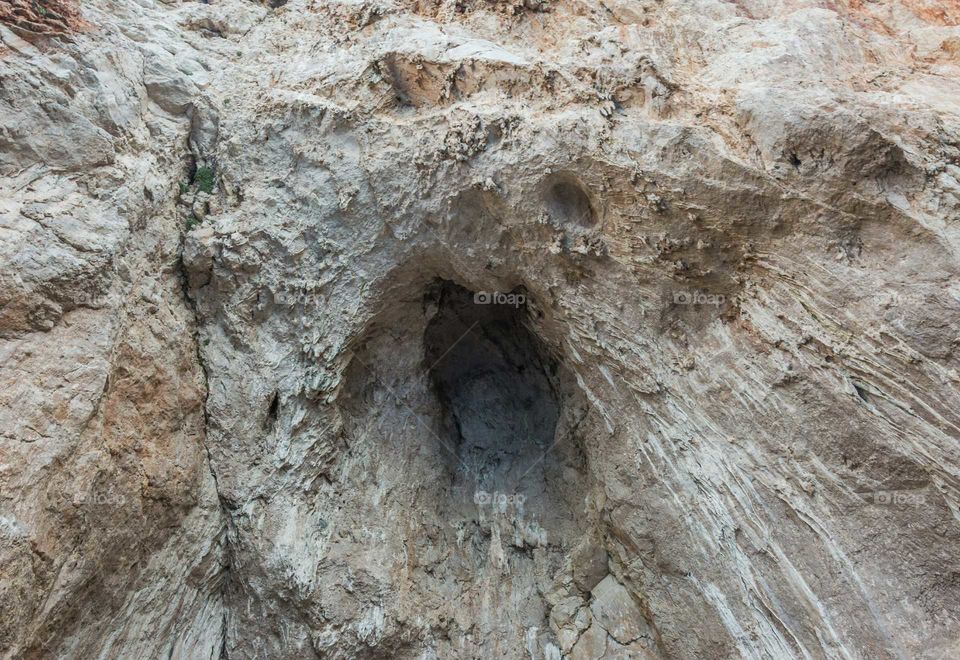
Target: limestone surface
[[480, 328]]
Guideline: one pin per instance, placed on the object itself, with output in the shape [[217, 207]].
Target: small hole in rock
[[862, 393], [272, 411], [568, 203]]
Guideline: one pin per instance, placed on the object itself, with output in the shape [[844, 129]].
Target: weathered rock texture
[[480, 328]]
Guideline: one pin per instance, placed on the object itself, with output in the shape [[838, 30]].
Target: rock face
[[480, 328]]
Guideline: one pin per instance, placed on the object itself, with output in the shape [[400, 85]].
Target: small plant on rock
[[203, 179]]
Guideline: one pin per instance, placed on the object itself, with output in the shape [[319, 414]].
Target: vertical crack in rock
[[223, 542]]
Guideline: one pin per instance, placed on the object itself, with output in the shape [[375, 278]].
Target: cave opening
[[498, 388], [464, 434]]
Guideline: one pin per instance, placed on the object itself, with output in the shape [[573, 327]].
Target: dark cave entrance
[[498, 387], [464, 488]]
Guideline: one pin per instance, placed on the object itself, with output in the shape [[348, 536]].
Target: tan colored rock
[[592, 644], [615, 611]]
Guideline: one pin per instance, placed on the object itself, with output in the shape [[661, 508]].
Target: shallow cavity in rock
[[567, 202], [463, 434]]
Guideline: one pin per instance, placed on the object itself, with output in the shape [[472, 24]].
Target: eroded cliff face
[[479, 329]]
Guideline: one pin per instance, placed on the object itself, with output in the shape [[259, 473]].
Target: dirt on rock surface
[[41, 18]]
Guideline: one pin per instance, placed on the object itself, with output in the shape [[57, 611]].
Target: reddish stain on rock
[[31, 19]]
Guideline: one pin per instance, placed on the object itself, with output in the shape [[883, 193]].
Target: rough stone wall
[[111, 533], [481, 329]]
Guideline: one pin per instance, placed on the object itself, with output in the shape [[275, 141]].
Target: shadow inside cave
[[497, 386], [464, 460]]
